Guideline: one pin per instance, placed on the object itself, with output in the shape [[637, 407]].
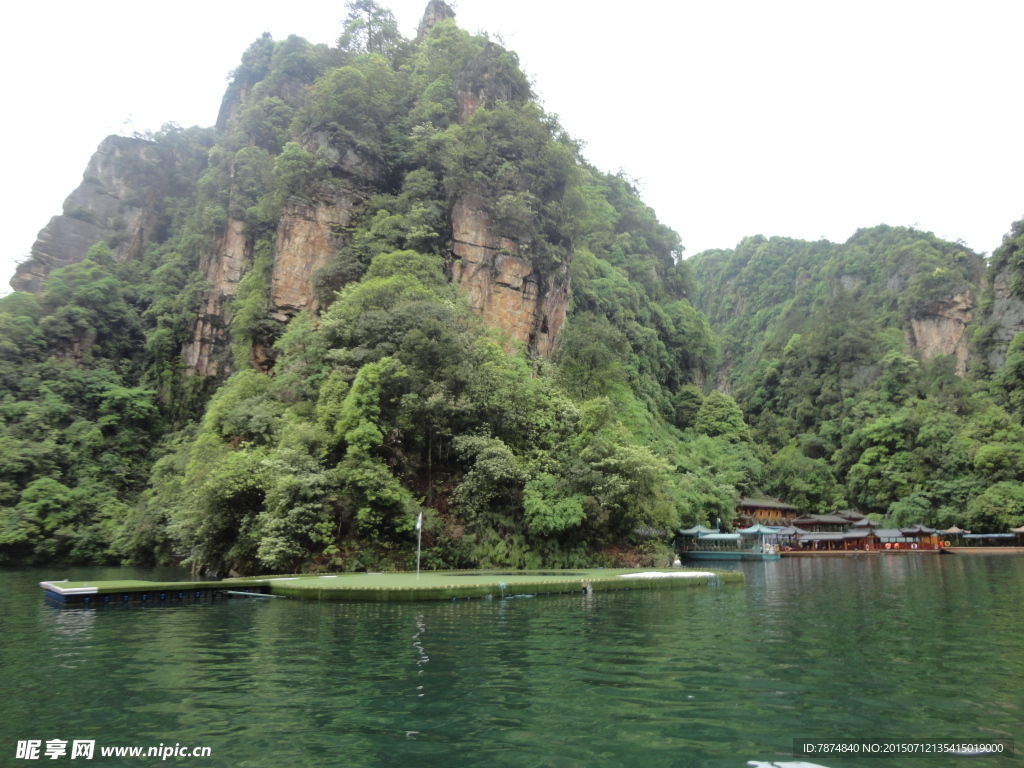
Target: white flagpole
[[419, 542]]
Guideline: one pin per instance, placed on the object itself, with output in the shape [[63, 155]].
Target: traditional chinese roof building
[[833, 523], [764, 511], [912, 537], [849, 514]]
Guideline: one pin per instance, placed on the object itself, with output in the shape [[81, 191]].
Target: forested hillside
[[388, 283], [862, 366], [281, 339]]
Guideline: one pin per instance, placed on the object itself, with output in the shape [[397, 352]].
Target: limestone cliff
[[939, 329], [309, 234], [507, 290], [115, 203], [254, 67], [124, 184], [1004, 317], [223, 270]]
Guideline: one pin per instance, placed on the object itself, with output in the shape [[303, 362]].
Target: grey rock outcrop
[[115, 203], [223, 270], [1005, 316], [437, 10]]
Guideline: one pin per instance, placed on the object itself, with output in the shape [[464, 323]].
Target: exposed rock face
[[939, 329], [350, 164], [898, 280], [436, 11], [223, 270], [307, 237], [849, 284], [309, 233], [114, 203], [234, 98], [1006, 315], [125, 181], [507, 290]]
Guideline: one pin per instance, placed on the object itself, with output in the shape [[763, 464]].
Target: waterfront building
[[917, 537], [764, 512], [822, 523], [850, 514]]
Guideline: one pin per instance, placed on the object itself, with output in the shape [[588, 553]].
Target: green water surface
[[871, 647]]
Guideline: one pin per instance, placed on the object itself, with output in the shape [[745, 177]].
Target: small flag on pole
[[419, 542]]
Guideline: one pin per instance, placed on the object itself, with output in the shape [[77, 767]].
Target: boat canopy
[[954, 530], [697, 530], [1018, 530], [760, 530], [990, 535], [721, 537]]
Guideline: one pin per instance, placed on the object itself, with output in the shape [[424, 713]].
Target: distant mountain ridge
[[939, 295]]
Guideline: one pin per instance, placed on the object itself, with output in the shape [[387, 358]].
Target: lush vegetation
[[821, 349], [340, 426], [393, 398]]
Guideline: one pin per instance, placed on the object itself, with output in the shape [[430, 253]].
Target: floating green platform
[[429, 585]]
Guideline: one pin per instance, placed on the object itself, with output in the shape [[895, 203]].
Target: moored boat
[[754, 543]]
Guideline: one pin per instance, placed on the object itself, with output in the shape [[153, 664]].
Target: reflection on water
[[862, 647]]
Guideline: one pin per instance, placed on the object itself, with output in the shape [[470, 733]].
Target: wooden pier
[[126, 592]]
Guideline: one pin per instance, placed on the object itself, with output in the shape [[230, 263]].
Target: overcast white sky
[[805, 119]]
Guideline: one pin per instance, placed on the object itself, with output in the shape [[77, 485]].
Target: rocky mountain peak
[[115, 203], [437, 10]]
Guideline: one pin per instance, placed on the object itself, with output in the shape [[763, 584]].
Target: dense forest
[[200, 389], [863, 369]]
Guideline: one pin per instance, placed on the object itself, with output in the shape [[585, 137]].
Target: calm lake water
[[887, 646]]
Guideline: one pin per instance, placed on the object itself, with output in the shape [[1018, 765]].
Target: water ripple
[[868, 648]]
